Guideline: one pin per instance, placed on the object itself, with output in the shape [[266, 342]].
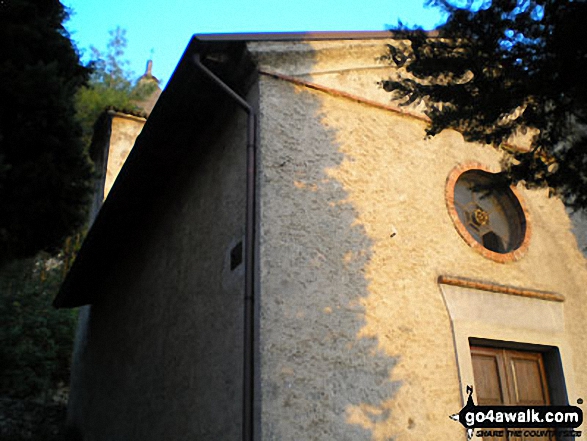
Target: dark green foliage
[[502, 67], [45, 173], [36, 348], [37, 339], [25, 420]]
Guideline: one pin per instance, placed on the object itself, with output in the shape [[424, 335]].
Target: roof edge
[[300, 36]]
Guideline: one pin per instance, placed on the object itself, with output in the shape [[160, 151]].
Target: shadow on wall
[[321, 376]]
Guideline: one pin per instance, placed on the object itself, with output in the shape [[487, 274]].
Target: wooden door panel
[[487, 379], [507, 377], [489, 373], [529, 378]]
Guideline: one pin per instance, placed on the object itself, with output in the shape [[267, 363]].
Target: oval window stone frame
[[511, 256]]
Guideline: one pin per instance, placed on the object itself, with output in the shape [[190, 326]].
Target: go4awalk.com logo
[[516, 420]]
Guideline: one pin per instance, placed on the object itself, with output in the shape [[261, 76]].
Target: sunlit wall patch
[[488, 214]]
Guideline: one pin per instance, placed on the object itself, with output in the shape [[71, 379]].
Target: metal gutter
[[250, 238]]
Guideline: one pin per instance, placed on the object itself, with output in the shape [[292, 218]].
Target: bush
[[37, 339], [36, 349], [22, 420]]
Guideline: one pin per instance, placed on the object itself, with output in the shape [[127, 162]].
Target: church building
[[285, 256]]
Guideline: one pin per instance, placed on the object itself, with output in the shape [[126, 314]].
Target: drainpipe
[[250, 235]]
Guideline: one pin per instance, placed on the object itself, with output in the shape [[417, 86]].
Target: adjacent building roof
[[148, 103]]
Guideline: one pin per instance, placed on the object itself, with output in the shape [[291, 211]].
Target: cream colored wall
[[356, 340], [124, 132]]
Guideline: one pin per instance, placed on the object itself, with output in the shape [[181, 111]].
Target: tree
[[45, 173], [504, 67], [110, 85]]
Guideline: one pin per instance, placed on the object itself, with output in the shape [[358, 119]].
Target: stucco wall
[[356, 341], [159, 355], [124, 132]]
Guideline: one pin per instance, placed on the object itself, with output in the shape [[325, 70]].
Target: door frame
[[485, 318]]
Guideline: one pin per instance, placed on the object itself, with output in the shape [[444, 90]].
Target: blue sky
[[161, 30]]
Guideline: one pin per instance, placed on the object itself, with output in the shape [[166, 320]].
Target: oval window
[[490, 211], [487, 213]]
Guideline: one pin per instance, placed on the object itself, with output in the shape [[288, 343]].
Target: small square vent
[[236, 256]]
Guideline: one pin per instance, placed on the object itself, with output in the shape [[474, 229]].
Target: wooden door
[[504, 376]]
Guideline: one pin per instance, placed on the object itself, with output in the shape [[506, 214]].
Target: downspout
[[250, 236]]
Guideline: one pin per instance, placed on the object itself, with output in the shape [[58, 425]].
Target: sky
[[161, 30]]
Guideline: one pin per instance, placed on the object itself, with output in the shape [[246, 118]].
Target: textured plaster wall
[[356, 341], [159, 356], [124, 132]]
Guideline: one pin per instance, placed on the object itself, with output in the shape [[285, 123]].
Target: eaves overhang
[[300, 36]]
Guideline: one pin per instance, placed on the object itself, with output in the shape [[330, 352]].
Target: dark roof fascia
[[301, 36], [295, 36]]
